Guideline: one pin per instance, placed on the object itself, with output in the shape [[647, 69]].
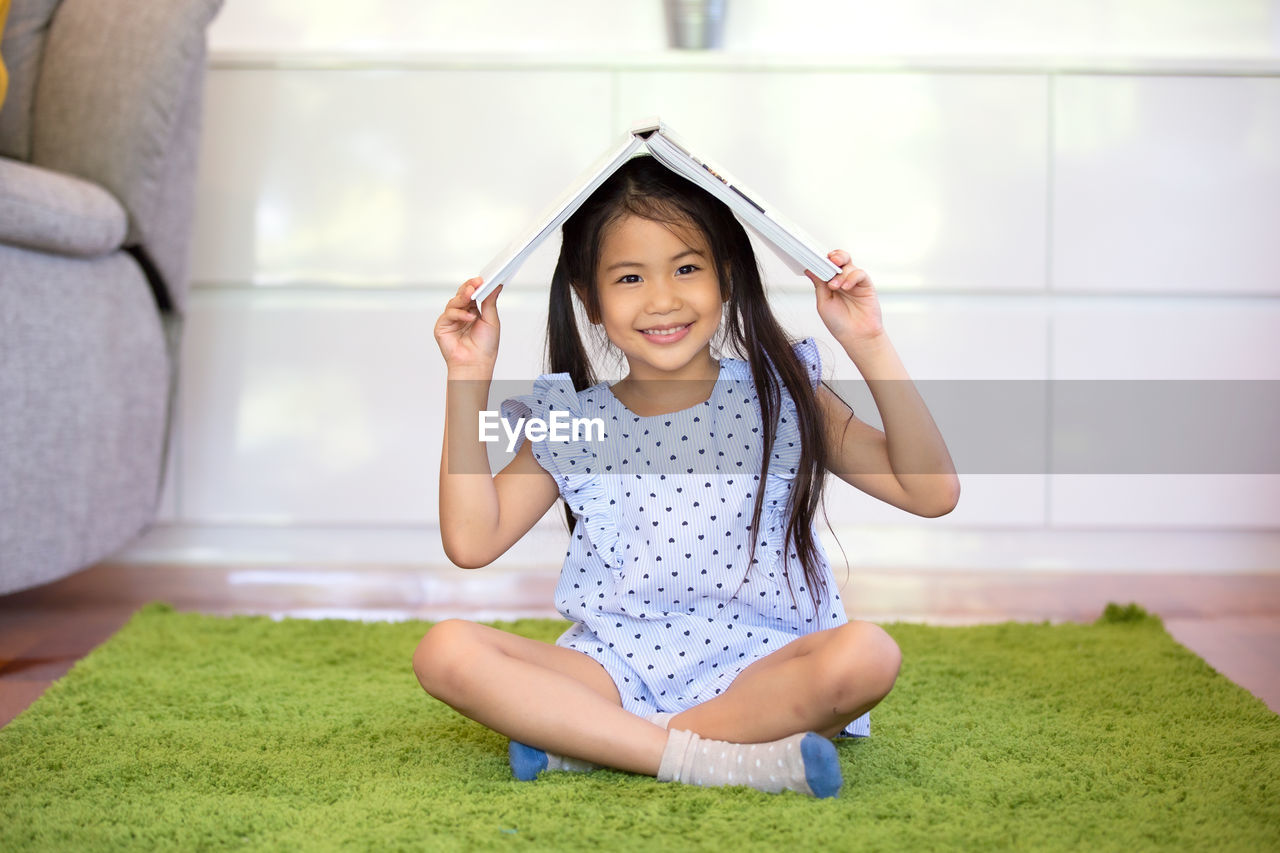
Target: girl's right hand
[[468, 339]]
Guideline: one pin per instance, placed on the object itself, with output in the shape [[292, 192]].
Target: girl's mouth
[[668, 335]]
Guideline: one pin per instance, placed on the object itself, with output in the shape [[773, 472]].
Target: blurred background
[[1083, 190]]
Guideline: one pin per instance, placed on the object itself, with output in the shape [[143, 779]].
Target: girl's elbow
[[943, 501], [951, 496], [464, 557]]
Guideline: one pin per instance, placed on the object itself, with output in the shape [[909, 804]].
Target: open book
[[797, 249]]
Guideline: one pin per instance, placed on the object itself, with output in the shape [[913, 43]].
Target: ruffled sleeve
[[807, 352], [786, 444], [573, 463]]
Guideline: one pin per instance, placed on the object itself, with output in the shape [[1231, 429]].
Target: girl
[[709, 645]]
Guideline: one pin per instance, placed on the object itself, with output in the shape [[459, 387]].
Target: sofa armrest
[[118, 103], [56, 212]]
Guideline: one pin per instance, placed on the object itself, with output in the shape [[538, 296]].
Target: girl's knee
[[883, 652], [867, 661], [441, 655]]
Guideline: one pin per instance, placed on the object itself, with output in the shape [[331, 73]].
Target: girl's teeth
[[664, 331]]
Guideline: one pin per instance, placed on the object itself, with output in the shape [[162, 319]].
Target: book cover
[[784, 237]]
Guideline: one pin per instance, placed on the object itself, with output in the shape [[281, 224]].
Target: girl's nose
[[663, 296]]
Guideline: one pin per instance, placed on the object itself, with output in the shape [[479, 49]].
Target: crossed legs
[[564, 702], [553, 698], [820, 682]]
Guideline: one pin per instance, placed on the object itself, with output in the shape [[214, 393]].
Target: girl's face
[[659, 298]]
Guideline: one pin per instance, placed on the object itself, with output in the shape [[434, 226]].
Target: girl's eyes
[[687, 269]]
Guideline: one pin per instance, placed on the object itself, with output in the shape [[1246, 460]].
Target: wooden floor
[[1232, 621]]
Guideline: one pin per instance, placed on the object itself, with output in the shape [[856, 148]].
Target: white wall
[[1179, 28], [1083, 190]]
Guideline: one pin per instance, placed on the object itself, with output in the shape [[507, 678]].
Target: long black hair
[[644, 188]]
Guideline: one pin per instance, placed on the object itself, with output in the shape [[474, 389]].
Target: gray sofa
[[98, 142]]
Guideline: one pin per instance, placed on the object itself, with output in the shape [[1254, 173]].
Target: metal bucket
[[696, 24]]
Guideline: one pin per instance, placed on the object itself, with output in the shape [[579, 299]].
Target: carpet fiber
[[187, 731]]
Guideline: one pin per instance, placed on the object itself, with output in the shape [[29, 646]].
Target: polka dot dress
[[658, 578]]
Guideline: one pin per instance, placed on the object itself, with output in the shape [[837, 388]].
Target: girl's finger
[[465, 292], [458, 316], [840, 257], [854, 277], [489, 306], [469, 287]]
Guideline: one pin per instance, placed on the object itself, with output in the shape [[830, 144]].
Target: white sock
[[570, 765], [805, 762]]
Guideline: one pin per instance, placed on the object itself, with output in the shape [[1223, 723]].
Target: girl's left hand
[[848, 304]]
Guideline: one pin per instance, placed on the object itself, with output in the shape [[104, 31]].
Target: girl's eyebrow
[[675, 258], [686, 253]]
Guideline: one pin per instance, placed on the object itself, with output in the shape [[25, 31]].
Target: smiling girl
[[708, 643]]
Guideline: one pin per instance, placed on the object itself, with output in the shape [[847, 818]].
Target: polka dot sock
[[527, 761], [804, 762]]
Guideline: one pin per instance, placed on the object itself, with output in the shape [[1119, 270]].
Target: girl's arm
[[907, 464], [481, 516]]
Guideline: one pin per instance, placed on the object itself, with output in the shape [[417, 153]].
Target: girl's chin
[[675, 360]]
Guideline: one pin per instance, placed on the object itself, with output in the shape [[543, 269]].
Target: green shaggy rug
[[191, 732]]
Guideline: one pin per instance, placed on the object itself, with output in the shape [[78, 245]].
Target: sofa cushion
[[119, 103], [84, 391], [22, 46], [52, 212]]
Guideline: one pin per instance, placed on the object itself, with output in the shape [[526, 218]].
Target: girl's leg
[[553, 698], [819, 682], [564, 702]]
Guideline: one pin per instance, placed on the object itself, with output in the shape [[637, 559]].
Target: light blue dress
[[656, 578]]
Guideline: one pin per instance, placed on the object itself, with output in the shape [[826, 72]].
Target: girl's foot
[[528, 761], [805, 762]]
